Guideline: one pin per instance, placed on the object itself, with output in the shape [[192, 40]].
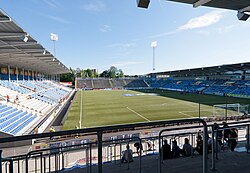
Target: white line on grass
[[186, 114], [138, 114]]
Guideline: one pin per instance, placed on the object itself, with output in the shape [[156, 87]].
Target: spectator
[[127, 155], [150, 145], [187, 148], [8, 98], [175, 149], [139, 148], [209, 143], [226, 131], [166, 149], [199, 145], [219, 133], [232, 138]]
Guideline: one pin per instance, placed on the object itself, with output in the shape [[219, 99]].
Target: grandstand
[[28, 99], [103, 83], [225, 80]]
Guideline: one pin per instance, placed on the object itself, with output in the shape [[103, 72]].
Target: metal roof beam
[[200, 3], [246, 9]]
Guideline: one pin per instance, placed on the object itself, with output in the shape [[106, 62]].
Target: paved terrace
[[228, 162]]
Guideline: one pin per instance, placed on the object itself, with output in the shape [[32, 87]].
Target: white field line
[[138, 114], [186, 114]]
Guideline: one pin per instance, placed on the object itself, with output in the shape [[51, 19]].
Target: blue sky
[[101, 33]]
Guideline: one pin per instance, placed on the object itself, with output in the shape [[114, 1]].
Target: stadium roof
[[242, 6], [208, 70], [19, 49], [225, 4]]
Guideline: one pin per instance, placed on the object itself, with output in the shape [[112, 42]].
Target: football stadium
[[183, 120]]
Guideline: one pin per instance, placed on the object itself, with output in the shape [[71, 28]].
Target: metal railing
[[54, 158]]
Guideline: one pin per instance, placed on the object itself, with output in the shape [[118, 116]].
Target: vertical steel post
[[1, 152], [205, 155], [11, 170], [99, 143], [26, 164], [90, 158], [44, 164], [213, 150], [247, 138]]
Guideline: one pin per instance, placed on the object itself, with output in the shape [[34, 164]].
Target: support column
[[23, 74], [16, 74], [9, 71]]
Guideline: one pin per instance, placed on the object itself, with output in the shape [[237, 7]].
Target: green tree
[[89, 73], [121, 74]]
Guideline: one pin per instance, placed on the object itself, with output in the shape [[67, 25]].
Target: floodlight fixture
[[143, 3], [4, 19], [53, 37], [242, 16], [154, 44], [25, 38]]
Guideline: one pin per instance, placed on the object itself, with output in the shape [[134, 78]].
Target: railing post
[[213, 150], [160, 154], [1, 152], [247, 138], [27, 164], [205, 155], [44, 164], [99, 143], [41, 162], [11, 170], [140, 157], [90, 158]]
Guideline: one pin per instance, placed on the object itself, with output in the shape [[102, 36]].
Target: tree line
[[112, 72]]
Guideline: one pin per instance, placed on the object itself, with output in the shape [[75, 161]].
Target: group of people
[[176, 151], [226, 135], [223, 135], [229, 135], [127, 155]]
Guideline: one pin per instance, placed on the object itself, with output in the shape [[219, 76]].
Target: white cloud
[[204, 20], [58, 19], [55, 18], [127, 63], [122, 49], [105, 28], [225, 28], [163, 34], [51, 3], [122, 45], [95, 6]]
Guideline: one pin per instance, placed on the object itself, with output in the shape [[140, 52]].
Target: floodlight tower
[[154, 45], [54, 38]]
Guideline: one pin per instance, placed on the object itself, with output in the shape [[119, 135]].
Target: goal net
[[230, 109]]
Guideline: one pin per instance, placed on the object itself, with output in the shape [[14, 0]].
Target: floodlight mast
[[154, 45], [54, 38]]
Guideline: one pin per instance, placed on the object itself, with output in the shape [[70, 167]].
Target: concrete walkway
[[228, 162]]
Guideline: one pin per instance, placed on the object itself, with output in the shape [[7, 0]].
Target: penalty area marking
[[185, 114], [138, 114]]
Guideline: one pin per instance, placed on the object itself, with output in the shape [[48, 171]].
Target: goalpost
[[230, 109]]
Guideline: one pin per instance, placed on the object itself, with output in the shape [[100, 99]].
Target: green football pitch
[[108, 107]]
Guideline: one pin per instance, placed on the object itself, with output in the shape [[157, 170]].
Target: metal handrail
[[100, 130]]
